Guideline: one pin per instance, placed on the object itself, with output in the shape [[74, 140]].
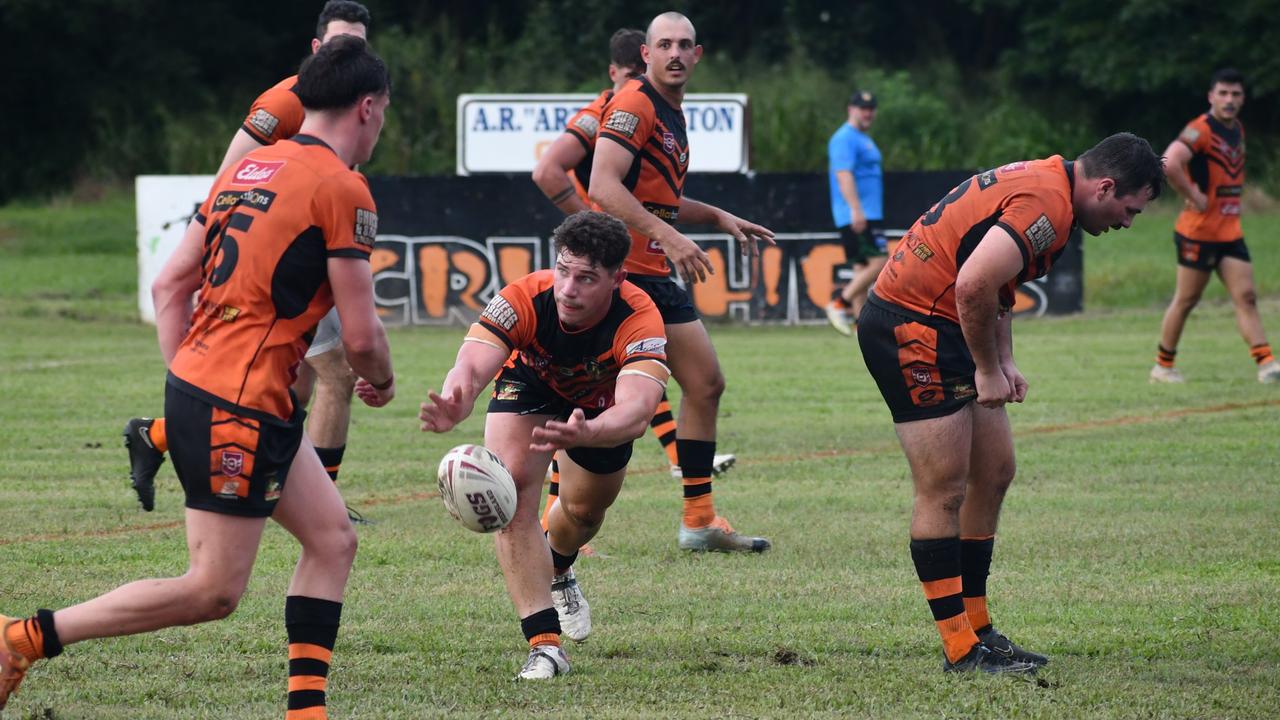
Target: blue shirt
[[852, 150]]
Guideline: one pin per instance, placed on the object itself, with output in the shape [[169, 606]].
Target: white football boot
[[1269, 372], [571, 606], [1162, 374], [544, 662], [719, 536], [720, 464]]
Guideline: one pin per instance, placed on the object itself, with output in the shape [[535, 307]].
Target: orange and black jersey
[[643, 122], [277, 113], [584, 127], [271, 222], [1030, 200], [580, 366], [1217, 168]]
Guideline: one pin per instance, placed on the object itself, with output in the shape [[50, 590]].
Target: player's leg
[[1237, 276], [696, 368], [991, 470], [839, 311], [1192, 276], [311, 509], [591, 479], [221, 550], [522, 549], [663, 425], [146, 442]]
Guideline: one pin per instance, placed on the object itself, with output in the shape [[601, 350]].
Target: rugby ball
[[477, 488]]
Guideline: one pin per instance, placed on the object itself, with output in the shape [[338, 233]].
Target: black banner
[[446, 244]]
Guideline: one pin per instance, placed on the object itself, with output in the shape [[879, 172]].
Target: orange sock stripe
[[958, 637], [696, 480], [669, 448], [332, 469], [546, 514], [976, 609], [664, 406], [976, 538], [699, 511], [25, 638], [308, 651], [307, 682], [934, 589], [312, 713], [1261, 353], [157, 434], [545, 639], [664, 428]]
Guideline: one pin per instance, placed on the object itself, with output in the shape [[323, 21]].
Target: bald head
[[668, 23]]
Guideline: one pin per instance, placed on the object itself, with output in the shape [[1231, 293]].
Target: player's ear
[[697, 53], [315, 45], [619, 277]]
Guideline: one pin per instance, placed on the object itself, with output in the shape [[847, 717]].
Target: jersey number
[[229, 248], [935, 214]]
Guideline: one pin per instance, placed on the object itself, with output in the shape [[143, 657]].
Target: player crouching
[[580, 359]]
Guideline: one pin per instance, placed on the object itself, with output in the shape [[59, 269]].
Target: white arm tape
[[482, 341], [644, 374]]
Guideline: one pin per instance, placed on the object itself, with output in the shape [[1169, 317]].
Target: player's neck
[[1228, 122], [674, 95], [342, 142]]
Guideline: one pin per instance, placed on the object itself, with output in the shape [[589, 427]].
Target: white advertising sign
[[507, 133], [165, 204]]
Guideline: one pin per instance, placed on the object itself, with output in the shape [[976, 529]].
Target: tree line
[[107, 89]]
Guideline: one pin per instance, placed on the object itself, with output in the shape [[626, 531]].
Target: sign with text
[[508, 133]]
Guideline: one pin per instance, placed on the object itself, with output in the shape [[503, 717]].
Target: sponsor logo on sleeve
[[922, 251], [1012, 167], [500, 313], [264, 122], [647, 346], [1190, 135], [1041, 234], [366, 230], [623, 123], [255, 172], [588, 125], [986, 179]]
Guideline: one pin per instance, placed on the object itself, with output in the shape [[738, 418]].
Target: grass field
[[1138, 546]]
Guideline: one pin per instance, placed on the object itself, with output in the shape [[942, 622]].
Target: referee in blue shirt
[[857, 207]]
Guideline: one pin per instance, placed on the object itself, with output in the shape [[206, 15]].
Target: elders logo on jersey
[[366, 230], [623, 123], [500, 313], [1041, 234], [255, 172]]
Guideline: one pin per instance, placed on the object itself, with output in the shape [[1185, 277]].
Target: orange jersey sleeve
[[585, 125], [347, 216], [277, 113], [510, 314], [654, 132], [1217, 168], [642, 336], [1029, 200]]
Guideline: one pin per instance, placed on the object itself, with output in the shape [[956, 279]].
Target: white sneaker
[[544, 663], [1269, 372], [720, 464], [840, 318], [719, 536], [1162, 374], [571, 606]]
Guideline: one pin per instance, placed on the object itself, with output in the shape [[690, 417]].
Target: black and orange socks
[[663, 425], [542, 628], [975, 565], [34, 638], [312, 627], [696, 460], [938, 565], [331, 458]]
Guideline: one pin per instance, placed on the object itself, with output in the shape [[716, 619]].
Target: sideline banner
[[507, 133], [447, 244]]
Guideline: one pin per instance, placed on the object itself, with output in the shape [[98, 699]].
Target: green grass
[[1137, 548]]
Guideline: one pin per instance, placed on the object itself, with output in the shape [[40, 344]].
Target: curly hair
[[598, 237]]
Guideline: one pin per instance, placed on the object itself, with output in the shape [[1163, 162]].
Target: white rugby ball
[[477, 488]]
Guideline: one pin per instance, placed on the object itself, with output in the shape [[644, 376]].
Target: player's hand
[[1198, 201], [372, 396], [441, 414], [859, 224], [1017, 382], [994, 389], [748, 234], [689, 260], [556, 435]]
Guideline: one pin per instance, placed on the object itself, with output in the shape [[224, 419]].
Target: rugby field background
[[1137, 549]]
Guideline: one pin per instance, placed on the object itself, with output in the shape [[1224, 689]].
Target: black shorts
[[517, 390], [229, 463], [921, 364], [861, 247], [1205, 256], [673, 301]]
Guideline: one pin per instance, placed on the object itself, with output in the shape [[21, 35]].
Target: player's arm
[[173, 288], [748, 234], [551, 174], [1004, 348], [1177, 158], [479, 359], [611, 163], [242, 144], [994, 262], [849, 189], [363, 337], [637, 391]]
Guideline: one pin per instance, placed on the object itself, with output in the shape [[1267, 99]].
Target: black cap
[[862, 99]]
